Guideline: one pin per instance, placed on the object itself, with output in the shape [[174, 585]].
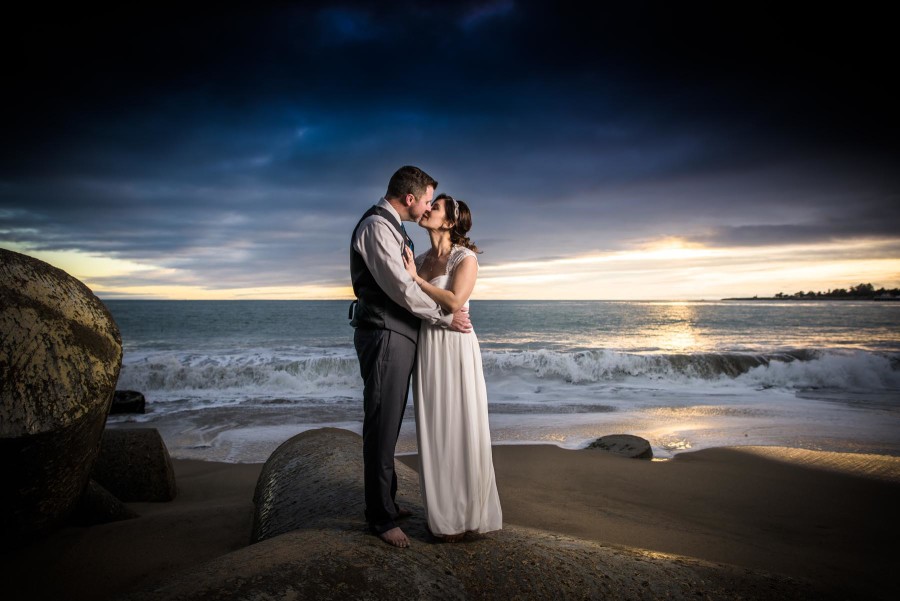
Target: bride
[[456, 469]]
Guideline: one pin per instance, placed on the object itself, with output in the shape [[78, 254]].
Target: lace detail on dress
[[456, 257], [457, 254]]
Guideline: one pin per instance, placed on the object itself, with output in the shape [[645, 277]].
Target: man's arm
[[380, 249]]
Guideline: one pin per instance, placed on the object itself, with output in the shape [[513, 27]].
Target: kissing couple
[[411, 319]]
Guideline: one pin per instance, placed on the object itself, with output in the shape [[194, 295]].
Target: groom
[[388, 309]]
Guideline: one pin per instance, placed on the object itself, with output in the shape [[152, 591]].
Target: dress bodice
[[457, 254]]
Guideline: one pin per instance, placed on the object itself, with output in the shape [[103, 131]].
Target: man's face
[[418, 207]]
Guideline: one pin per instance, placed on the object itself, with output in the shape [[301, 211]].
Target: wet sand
[[827, 517]]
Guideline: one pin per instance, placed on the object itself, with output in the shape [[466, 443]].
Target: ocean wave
[[794, 369], [241, 375], [841, 371], [602, 365], [274, 375]]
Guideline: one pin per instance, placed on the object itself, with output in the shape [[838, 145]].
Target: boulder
[[127, 401], [60, 354], [303, 484], [331, 555], [135, 466], [624, 445]]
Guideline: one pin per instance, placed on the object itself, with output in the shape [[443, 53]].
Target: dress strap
[[456, 257]]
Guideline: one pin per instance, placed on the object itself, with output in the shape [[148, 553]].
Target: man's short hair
[[409, 180]]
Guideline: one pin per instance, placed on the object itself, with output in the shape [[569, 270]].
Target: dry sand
[[827, 517], [737, 506], [211, 516]]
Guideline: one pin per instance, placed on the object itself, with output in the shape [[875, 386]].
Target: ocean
[[230, 380]]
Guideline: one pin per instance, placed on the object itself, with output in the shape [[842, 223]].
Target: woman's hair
[[460, 218]]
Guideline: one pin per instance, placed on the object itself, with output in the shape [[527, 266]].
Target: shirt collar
[[383, 203]]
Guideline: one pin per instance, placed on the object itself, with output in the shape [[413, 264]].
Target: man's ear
[[410, 200]]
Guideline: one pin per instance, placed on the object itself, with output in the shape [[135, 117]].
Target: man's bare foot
[[395, 537]]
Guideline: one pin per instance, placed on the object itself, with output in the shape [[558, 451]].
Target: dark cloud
[[876, 218], [239, 147]]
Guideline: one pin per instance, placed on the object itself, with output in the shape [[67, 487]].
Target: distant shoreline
[[810, 298], [862, 292]]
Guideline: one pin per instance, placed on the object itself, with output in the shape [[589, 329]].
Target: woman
[[456, 470]]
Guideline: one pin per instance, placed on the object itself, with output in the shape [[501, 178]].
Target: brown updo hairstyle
[[460, 218]]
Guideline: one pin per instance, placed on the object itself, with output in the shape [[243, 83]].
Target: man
[[388, 311]]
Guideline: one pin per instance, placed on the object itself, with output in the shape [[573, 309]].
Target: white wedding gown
[[456, 470]]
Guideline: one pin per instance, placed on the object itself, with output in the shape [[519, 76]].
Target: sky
[[693, 150]]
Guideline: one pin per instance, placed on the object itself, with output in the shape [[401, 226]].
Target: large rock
[[304, 484], [135, 466], [332, 556], [60, 354]]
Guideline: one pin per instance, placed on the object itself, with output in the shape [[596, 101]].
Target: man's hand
[[461, 321]]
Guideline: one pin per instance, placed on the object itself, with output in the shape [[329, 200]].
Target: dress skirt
[[456, 469]]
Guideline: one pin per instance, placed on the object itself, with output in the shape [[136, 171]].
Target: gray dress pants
[[386, 360]]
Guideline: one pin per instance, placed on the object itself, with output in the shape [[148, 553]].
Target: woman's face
[[435, 217]]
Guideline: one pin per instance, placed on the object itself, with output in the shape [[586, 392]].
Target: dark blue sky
[[236, 148]]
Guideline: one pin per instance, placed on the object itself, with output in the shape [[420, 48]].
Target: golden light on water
[[676, 332]]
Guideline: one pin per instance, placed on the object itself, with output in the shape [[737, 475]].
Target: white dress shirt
[[381, 247]]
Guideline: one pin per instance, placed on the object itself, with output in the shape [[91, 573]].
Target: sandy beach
[[825, 517]]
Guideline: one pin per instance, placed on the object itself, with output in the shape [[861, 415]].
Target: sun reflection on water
[[676, 330]]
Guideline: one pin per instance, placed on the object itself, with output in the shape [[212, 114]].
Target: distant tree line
[[860, 292]]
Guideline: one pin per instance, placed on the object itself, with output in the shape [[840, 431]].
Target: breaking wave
[[267, 374], [795, 369]]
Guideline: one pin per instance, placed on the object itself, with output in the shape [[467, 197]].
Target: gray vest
[[374, 310]]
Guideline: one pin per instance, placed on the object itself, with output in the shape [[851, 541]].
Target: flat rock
[[128, 401], [329, 553], [98, 506], [60, 354], [624, 445], [135, 466]]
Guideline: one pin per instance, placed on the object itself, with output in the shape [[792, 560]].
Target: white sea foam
[[842, 371], [794, 370], [171, 375], [168, 375], [236, 406]]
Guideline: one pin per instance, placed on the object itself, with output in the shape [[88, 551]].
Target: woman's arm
[[461, 287]]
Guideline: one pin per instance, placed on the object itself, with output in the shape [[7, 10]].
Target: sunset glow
[[665, 271]]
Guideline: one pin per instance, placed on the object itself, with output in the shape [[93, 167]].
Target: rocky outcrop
[[331, 555], [135, 466], [128, 401], [624, 445], [60, 354]]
